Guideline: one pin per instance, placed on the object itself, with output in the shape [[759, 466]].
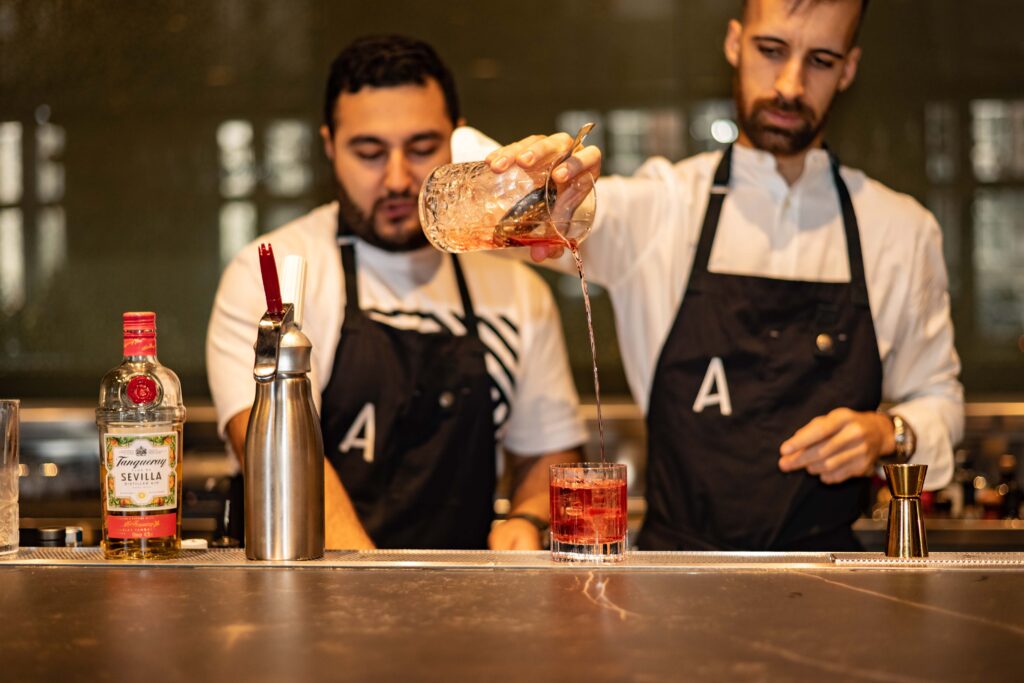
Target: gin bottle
[[140, 419]]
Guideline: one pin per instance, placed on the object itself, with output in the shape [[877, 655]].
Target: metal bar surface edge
[[637, 561]]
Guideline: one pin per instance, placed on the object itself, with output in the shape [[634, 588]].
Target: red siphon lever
[[271, 287]]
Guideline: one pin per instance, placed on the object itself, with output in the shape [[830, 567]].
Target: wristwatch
[[541, 525], [906, 441]]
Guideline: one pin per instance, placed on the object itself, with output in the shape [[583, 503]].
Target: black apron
[[774, 354], [426, 477]]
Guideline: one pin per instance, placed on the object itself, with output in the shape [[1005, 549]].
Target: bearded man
[[768, 300], [423, 363]]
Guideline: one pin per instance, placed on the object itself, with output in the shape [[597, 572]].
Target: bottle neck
[[139, 346]]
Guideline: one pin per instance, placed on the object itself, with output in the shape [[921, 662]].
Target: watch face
[[904, 437]]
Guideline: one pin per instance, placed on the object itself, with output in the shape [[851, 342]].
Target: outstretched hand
[[535, 150], [843, 444]]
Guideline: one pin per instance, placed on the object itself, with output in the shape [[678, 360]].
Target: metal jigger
[[906, 537]]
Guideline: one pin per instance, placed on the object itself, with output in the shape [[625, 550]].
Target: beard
[[775, 139], [355, 222]]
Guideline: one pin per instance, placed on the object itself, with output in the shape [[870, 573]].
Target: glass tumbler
[[588, 512]]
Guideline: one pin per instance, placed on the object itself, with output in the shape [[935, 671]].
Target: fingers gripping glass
[[468, 207]]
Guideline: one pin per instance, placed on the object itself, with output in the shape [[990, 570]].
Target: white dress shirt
[[643, 241]]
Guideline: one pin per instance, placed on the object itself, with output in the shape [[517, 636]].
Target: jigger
[[906, 537]]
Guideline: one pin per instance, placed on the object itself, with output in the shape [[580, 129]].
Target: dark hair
[[383, 61], [794, 5]]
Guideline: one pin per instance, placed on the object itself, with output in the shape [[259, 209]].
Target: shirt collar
[[414, 268], [418, 260], [755, 166]]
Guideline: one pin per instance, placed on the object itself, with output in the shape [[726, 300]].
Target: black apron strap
[[346, 242], [719, 188], [348, 265], [467, 301], [858, 281]]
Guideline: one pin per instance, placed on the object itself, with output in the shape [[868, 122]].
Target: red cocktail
[[588, 512]]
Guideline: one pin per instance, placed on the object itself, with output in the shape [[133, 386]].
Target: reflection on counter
[[979, 510]]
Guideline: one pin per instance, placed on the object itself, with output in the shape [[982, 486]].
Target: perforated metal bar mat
[[934, 560], [482, 559]]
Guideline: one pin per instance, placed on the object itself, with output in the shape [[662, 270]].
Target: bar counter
[[66, 614]]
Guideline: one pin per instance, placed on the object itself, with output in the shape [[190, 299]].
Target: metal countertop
[[474, 616]]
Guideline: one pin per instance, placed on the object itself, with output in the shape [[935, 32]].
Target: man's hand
[[514, 534], [838, 446], [536, 150]]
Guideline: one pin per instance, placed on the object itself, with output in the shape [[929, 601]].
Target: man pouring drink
[[768, 300]]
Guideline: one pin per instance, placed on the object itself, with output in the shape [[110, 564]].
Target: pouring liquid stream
[[590, 331], [487, 237], [526, 241]]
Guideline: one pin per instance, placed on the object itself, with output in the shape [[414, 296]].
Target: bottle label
[[141, 471], [150, 526]]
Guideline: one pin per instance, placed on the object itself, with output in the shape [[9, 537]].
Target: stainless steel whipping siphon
[[284, 454]]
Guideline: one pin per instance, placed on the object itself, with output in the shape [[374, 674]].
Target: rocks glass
[[588, 512]]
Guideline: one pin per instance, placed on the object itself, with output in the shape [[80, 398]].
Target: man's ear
[[849, 69], [733, 41], [325, 135]]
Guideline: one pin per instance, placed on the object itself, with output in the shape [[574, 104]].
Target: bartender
[[767, 300], [423, 362]]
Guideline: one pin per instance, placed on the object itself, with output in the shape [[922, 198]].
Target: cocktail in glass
[[588, 512]]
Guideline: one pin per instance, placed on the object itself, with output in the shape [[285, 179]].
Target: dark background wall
[[120, 194]]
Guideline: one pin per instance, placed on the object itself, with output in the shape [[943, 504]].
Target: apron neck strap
[[471, 321], [348, 266], [858, 281], [346, 243], [719, 188]]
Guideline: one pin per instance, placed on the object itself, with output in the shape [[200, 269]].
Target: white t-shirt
[[537, 408], [645, 234]]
